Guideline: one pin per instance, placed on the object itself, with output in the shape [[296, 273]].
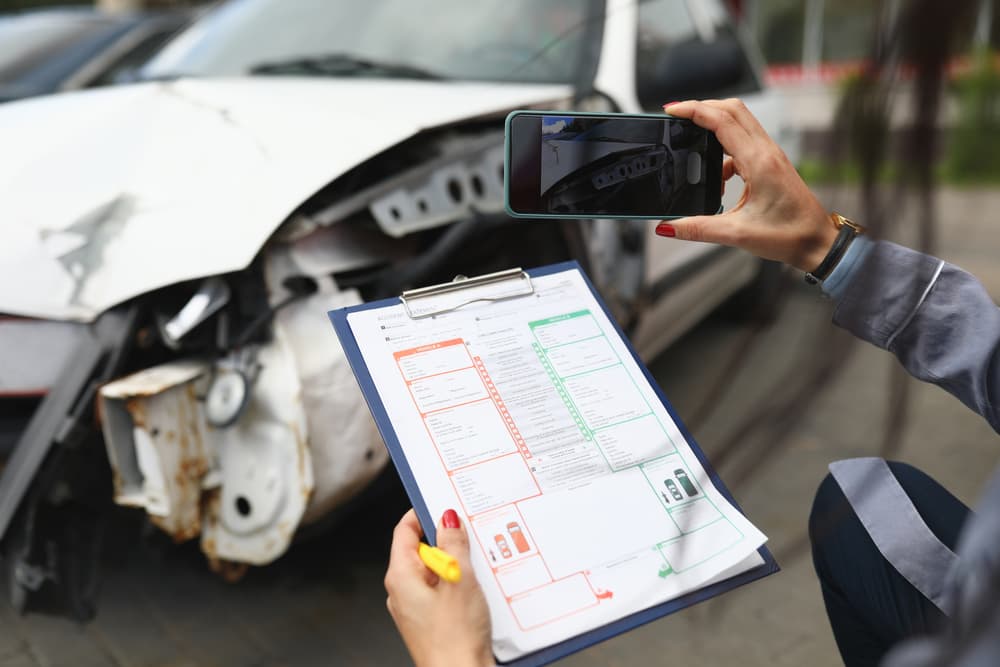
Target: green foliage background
[[974, 150]]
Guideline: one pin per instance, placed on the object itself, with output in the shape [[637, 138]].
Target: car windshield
[[543, 41], [27, 39]]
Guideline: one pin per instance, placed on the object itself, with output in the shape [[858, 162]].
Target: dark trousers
[[870, 605]]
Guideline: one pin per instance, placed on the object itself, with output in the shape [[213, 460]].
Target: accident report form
[[530, 416]]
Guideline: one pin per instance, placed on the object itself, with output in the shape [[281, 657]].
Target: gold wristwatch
[[848, 231]]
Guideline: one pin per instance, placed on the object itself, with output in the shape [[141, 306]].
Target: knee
[[825, 505], [830, 504], [912, 478]]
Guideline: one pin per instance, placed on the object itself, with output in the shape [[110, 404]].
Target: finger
[[405, 539], [723, 229], [404, 561], [452, 538], [739, 111], [728, 169], [735, 140]]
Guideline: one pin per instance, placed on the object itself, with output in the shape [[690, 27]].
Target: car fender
[[109, 194]]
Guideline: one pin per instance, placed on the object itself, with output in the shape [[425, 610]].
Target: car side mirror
[[692, 70]]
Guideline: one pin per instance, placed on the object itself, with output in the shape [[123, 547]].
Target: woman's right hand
[[777, 217]]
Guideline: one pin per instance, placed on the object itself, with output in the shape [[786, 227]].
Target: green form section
[[542, 352], [668, 568], [558, 318], [554, 379]]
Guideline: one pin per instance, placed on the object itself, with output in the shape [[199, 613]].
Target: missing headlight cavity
[[471, 247], [431, 180]]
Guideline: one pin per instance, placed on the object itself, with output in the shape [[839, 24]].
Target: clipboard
[[503, 282]]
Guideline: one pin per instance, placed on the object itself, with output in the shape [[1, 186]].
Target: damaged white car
[[169, 249]]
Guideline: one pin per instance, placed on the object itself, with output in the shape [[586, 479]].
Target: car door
[[686, 49]]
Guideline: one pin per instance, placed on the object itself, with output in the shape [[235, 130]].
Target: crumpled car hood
[[107, 194]]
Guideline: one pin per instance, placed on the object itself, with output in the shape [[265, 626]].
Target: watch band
[[848, 231]]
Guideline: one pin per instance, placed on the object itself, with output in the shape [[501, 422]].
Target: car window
[[492, 40], [26, 40], [689, 49], [134, 58]]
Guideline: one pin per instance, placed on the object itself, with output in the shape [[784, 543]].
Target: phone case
[[560, 216]]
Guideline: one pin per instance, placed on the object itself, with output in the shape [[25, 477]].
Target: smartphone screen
[[608, 166]]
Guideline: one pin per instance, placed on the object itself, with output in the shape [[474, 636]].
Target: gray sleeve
[[937, 319]]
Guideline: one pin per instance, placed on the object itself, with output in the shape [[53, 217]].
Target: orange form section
[[498, 481], [523, 575], [427, 348], [502, 407], [552, 602], [433, 359]]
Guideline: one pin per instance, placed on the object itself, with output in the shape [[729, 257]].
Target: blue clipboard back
[[339, 319]]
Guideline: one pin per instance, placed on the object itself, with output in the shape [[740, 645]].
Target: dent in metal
[[80, 247]]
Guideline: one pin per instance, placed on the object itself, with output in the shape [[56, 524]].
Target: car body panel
[[189, 178]]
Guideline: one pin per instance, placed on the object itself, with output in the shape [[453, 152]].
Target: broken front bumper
[[302, 444]]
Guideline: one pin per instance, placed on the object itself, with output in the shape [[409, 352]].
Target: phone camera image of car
[[610, 165], [502, 546], [520, 542], [674, 491], [685, 482]]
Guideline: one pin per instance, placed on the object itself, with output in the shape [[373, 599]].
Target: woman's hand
[[777, 217], [441, 623]]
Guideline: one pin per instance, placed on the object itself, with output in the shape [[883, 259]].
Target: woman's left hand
[[441, 623]]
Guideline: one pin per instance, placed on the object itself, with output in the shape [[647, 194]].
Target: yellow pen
[[441, 563]]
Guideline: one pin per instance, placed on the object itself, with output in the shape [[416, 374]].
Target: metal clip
[[461, 283]]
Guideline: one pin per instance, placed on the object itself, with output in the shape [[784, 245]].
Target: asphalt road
[[777, 418]]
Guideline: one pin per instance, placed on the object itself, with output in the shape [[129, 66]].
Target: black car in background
[[52, 50]]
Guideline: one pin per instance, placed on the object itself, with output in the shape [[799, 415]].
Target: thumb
[[704, 228], [451, 537]]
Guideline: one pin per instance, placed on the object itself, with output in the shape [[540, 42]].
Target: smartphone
[[560, 164]]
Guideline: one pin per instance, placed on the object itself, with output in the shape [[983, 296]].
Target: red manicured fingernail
[[450, 519], [670, 103], [664, 229]]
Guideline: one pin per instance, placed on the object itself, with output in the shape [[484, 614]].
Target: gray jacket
[[945, 329]]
